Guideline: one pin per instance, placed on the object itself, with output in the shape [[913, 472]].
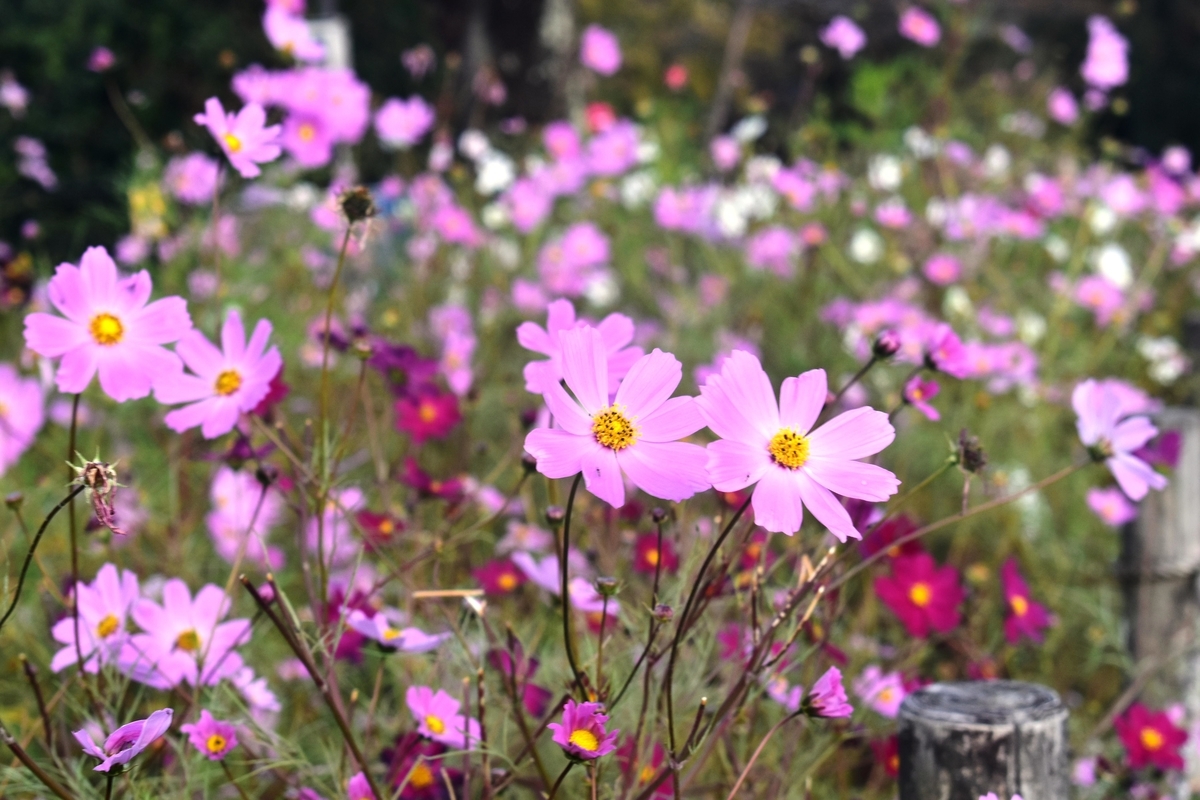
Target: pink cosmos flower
[[942, 269], [242, 515], [359, 788], [1027, 618], [523, 536], [1150, 738], [22, 414], [101, 59], [1111, 506], [924, 596], [308, 139], [919, 392], [192, 179], [212, 737], [1061, 106], [616, 330], [1113, 439], [104, 607], [184, 639], [882, 691], [407, 640], [126, 742], [773, 444], [828, 697], [844, 36], [225, 383], [245, 137], [1107, 62], [290, 35], [582, 733], [599, 50], [402, 123], [438, 718], [945, 352], [544, 573], [1101, 296], [725, 151], [108, 328], [919, 25], [774, 248], [615, 150], [455, 365], [636, 434]]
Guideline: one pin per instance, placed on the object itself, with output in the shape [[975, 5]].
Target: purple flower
[[828, 697], [101, 59], [581, 733], [244, 136], [126, 742], [844, 36], [226, 383], [402, 123], [211, 737], [1107, 62], [1112, 437], [599, 50], [108, 328]]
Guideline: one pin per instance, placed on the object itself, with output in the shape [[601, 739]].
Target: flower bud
[[607, 587], [14, 500], [663, 612], [971, 457], [886, 344], [658, 514], [357, 204], [555, 516]]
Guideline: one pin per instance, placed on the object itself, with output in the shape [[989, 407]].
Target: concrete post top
[[983, 703]]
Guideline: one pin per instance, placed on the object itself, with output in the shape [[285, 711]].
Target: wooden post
[[959, 741]]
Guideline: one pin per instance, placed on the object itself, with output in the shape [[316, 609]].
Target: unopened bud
[[658, 514], [607, 587], [663, 612], [357, 204], [971, 457], [886, 344], [14, 500], [555, 516]]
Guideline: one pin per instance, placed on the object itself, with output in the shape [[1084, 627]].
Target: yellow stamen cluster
[[584, 739], [789, 449], [435, 724], [232, 142], [189, 641], [920, 594], [106, 329], [613, 429], [228, 382], [216, 743], [1020, 605], [107, 626], [421, 776], [1151, 739]]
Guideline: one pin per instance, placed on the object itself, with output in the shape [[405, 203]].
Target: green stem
[[29, 558], [566, 600], [71, 526], [558, 782]]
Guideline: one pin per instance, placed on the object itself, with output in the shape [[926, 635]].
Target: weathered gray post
[[959, 741]]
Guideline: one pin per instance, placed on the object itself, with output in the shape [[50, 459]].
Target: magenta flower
[[616, 330], [438, 718], [1151, 738], [636, 434], [427, 414], [919, 25], [1027, 618], [104, 607], [225, 383], [126, 742], [922, 595], [211, 737], [192, 179], [380, 628], [22, 414], [244, 136], [1111, 506], [108, 328], [844, 36], [945, 352], [882, 691], [772, 444], [599, 50], [942, 269], [918, 392], [402, 123], [1062, 106], [1112, 439], [1107, 63], [581, 733], [359, 788], [828, 697]]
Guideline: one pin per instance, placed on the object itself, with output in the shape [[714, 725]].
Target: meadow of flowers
[[590, 459]]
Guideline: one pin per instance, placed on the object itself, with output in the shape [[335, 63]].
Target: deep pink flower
[[945, 352], [1107, 62], [104, 607], [402, 123], [920, 26], [924, 596], [884, 535], [773, 444], [1111, 506], [828, 697], [225, 383], [245, 136], [22, 414], [581, 733], [636, 434], [616, 330], [499, 576], [438, 718], [212, 737], [101, 59], [126, 742], [647, 559], [108, 328], [1026, 618], [359, 788], [844, 36], [427, 414], [882, 691], [1150, 738], [1109, 437], [919, 392], [599, 50]]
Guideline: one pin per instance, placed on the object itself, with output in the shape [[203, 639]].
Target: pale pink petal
[[585, 367], [222, 416], [533, 337], [667, 470], [567, 413], [826, 508], [162, 322], [77, 369], [128, 372], [776, 502], [180, 387], [855, 434], [538, 375], [649, 383], [734, 465], [258, 340], [51, 336], [738, 402], [674, 419], [558, 453], [68, 294], [852, 478], [602, 475], [620, 362], [258, 385], [134, 292], [801, 400], [560, 316], [617, 331], [99, 274], [1135, 476], [201, 356], [1132, 434], [233, 337]]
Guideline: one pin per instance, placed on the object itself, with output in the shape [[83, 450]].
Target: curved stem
[[29, 557], [757, 751], [558, 782], [566, 601], [858, 376]]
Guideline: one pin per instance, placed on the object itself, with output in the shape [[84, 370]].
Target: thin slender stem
[[566, 601], [758, 750], [41, 774], [109, 783], [654, 628], [858, 376], [558, 782], [74, 543], [29, 558], [31, 675], [341, 263], [233, 781], [600, 646]]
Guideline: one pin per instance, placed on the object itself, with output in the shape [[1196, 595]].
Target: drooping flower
[[438, 718], [104, 606], [245, 137], [882, 691], [918, 392], [920, 26], [828, 697], [582, 734], [599, 50], [843, 35], [126, 742], [427, 414], [922, 595], [212, 737], [406, 640], [616, 330], [636, 435], [108, 328], [22, 414], [1150, 738], [1111, 436], [1111, 506], [1027, 618], [773, 444]]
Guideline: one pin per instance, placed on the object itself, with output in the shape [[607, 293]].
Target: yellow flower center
[[613, 429], [886, 696], [228, 382], [585, 740], [215, 743], [1152, 739], [435, 724], [107, 329], [427, 412], [390, 633], [652, 557], [789, 449], [1020, 605], [507, 581], [233, 143], [421, 777], [189, 641], [646, 775], [307, 132], [387, 526], [108, 626], [920, 594]]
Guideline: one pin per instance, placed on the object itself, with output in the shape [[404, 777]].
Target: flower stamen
[[789, 449], [106, 329], [613, 429]]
